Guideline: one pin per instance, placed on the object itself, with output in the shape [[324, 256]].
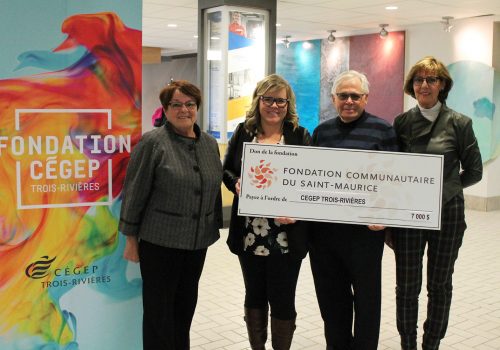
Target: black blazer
[[296, 233]]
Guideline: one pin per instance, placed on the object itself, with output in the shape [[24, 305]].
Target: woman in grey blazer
[[171, 212]]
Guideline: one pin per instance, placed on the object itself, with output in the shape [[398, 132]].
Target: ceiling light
[[446, 23], [172, 25], [278, 24], [331, 37], [391, 8], [383, 32], [286, 41]]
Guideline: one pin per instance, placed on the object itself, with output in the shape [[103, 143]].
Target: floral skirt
[[264, 236]]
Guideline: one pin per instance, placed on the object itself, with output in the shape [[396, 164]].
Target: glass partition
[[236, 42]]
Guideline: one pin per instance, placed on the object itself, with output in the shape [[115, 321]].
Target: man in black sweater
[[346, 259]]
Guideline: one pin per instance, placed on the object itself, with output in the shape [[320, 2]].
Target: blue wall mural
[[473, 95], [312, 66], [300, 65]]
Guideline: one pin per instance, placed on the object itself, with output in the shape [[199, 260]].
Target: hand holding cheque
[[341, 185]]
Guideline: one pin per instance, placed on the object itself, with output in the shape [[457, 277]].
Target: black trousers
[[170, 293], [271, 280], [442, 252], [346, 262]]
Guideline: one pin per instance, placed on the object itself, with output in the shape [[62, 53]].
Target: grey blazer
[[171, 196]]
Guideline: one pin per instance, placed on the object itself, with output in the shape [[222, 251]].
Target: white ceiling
[[308, 19]]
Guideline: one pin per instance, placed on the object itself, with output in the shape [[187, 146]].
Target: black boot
[[282, 333], [256, 320]]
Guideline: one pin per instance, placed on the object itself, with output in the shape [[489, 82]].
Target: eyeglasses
[[430, 80], [190, 105], [345, 96], [269, 101]]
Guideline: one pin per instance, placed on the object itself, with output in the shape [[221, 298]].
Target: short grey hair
[[349, 75]]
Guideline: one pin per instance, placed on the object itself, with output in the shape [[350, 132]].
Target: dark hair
[[272, 82], [183, 86], [432, 65]]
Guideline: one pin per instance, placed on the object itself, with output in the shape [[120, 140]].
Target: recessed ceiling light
[[391, 7], [278, 24], [195, 36], [172, 25]]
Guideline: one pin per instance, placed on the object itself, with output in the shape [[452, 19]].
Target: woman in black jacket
[[270, 251], [432, 127]]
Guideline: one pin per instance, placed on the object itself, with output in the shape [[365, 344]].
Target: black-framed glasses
[[269, 101], [430, 80], [343, 96], [190, 105]]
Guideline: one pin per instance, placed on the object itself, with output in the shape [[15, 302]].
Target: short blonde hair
[[270, 83]]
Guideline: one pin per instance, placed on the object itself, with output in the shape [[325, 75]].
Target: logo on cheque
[[262, 175]]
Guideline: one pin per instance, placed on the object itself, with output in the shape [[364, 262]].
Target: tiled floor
[[475, 314]]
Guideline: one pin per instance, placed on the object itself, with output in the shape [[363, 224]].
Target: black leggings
[[271, 279], [170, 293]]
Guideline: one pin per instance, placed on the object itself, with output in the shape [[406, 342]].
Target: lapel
[[422, 134], [419, 125]]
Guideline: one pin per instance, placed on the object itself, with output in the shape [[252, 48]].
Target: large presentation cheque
[[341, 185]]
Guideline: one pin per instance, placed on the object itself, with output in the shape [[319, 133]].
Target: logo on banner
[[262, 175], [39, 268], [64, 277], [64, 157]]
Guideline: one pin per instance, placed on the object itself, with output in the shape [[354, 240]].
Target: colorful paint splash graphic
[[46, 251]]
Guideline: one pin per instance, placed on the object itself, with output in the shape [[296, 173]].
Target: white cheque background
[[320, 184]]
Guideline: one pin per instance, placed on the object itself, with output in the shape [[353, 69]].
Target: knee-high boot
[[256, 320], [282, 333]]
